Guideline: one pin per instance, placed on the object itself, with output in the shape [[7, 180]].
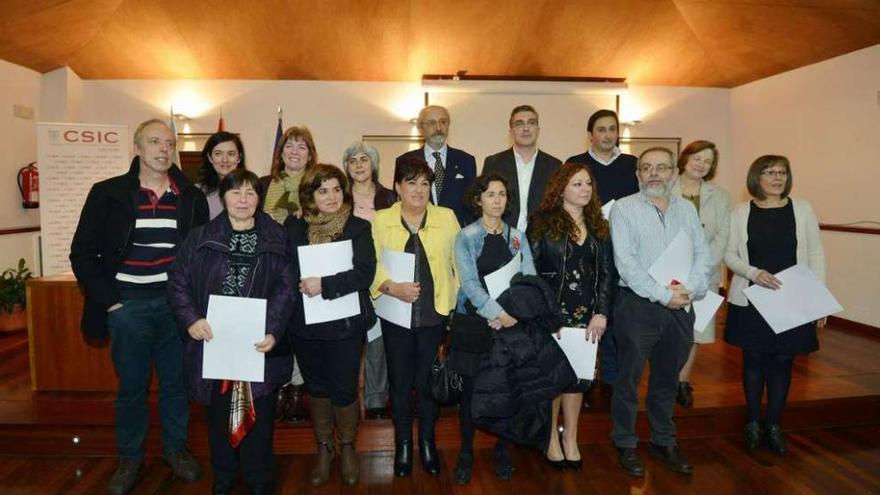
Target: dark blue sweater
[[613, 181]]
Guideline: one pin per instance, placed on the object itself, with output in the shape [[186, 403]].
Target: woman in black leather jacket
[[571, 245]]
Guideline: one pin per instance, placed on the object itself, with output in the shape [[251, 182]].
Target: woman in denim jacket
[[481, 248]]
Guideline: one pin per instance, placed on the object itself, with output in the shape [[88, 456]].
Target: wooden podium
[[61, 360]]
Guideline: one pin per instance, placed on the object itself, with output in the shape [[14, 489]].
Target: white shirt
[[429, 157], [524, 171], [615, 152]]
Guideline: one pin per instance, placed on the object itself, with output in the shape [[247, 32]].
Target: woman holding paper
[[571, 245], [481, 248], [768, 234], [329, 352], [362, 168], [242, 253], [223, 153], [427, 233], [696, 167]]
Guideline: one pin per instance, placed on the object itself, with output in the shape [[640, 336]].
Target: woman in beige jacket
[[696, 168], [767, 235]]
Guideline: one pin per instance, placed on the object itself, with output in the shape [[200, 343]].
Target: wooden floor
[[833, 417], [842, 461]]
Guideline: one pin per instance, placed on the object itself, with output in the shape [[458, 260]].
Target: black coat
[[526, 369], [504, 164], [103, 238], [199, 271], [550, 257], [358, 279]]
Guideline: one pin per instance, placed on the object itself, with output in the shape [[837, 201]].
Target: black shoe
[[428, 456], [125, 477], [403, 458], [559, 465], [464, 467], [776, 439], [184, 465], [376, 413], [503, 466], [574, 465], [670, 456], [752, 435], [630, 462], [685, 397], [221, 488]]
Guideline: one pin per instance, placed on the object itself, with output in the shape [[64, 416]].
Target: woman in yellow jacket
[[413, 225]]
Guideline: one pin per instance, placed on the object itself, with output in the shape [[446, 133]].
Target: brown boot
[[322, 422], [346, 428]]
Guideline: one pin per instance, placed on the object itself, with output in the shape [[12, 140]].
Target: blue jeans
[[143, 331]]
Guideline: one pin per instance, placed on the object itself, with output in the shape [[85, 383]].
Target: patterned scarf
[[242, 414], [325, 227], [282, 197]]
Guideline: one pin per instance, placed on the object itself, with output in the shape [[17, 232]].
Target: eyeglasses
[[775, 173], [660, 168]]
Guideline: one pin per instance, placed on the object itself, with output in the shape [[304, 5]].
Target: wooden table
[[60, 358]]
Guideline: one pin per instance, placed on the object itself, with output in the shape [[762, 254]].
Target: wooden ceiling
[[721, 43]]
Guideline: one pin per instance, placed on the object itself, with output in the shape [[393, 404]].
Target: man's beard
[[654, 191]]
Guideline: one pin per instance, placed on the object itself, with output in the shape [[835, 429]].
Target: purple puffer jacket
[[199, 271]]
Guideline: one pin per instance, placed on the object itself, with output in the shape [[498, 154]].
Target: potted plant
[[12, 298]]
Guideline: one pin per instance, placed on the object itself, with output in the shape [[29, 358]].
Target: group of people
[[151, 248]]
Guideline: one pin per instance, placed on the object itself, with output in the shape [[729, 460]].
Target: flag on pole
[[279, 132], [221, 126], [174, 131]]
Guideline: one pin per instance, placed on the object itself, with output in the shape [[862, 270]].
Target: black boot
[[752, 436], [685, 396], [403, 455], [776, 439], [428, 456], [464, 467]]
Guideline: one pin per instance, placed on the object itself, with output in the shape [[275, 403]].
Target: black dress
[[772, 247], [471, 341]]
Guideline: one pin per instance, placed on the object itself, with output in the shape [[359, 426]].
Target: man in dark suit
[[526, 168], [454, 170]]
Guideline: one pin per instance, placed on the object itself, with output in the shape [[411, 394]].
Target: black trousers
[[647, 331], [254, 453], [330, 368], [410, 353]]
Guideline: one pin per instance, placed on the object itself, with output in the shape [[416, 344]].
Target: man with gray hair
[[654, 321], [127, 237], [454, 170]]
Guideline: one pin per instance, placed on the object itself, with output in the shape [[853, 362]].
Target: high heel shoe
[[575, 465], [560, 464]]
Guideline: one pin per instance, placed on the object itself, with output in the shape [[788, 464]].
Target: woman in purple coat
[[241, 253]]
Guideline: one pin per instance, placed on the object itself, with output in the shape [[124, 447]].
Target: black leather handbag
[[446, 384]]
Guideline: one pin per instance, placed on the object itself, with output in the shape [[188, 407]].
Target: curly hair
[[551, 219]]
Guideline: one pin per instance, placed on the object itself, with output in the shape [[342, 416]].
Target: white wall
[[826, 118], [18, 147]]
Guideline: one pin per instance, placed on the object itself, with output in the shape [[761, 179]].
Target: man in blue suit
[[454, 170]]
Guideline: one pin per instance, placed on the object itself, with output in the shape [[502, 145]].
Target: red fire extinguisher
[[29, 185]]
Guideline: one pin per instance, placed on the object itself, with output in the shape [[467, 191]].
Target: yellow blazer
[[438, 240]]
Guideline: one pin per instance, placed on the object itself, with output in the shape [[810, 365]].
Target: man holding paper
[[335, 263], [652, 322]]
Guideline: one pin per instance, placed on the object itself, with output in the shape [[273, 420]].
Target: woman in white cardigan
[[769, 234], [697, 165]]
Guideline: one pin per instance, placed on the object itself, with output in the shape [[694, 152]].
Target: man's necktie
[[439, 173]]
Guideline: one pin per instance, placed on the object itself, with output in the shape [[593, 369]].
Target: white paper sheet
[[705, 309], [676, 261], [321, 260], [401, 267], [801, 299], [375, 332], [581, 353], [606, 209], [499, 281], [237, 324]]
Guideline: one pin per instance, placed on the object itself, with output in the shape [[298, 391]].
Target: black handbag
[[446, 384]]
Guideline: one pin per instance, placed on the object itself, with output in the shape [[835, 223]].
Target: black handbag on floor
[[446, 384]]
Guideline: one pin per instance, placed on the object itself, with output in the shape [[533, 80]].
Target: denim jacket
[[468, 246]]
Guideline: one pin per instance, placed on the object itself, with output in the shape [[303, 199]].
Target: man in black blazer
[[457, 169], [526, 168]]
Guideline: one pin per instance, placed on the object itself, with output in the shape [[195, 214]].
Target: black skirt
[[747, 329]]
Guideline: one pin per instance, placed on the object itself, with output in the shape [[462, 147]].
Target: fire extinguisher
[[29, 186]]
